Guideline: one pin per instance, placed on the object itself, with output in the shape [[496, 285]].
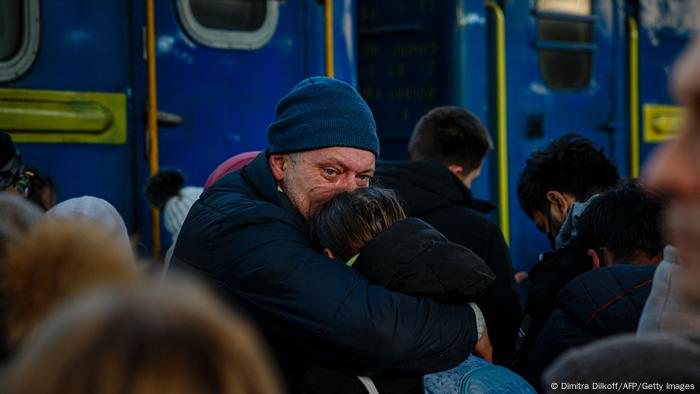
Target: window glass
[[574, 7], [565, 68], [560, 30], [246, 15], [10, 28], [229, 24], [19, 37]]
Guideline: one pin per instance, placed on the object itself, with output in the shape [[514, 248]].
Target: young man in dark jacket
[[621, 231], [248, 235], [556, 186], [447, 150]]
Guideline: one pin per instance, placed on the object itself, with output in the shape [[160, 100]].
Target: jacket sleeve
[[270, 265]]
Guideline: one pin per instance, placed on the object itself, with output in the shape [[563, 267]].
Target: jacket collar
[[259, 176]]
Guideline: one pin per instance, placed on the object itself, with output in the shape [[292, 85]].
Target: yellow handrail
[[330, 67], [634, 96], [504, 217], [152, 119]]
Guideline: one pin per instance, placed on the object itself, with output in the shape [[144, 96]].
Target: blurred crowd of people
[[313, 267]]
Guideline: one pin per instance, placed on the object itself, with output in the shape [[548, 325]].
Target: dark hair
[[162, 186], [626, 220], [450, 135], [42, 189], [349, 220], [570, 164]]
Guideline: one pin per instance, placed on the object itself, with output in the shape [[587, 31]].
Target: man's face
[[311, 178], [547, 224], [675, 167]]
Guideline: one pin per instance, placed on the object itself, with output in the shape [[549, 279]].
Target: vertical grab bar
[[504, 218], [634, 95], [152, 118], [330, 66]]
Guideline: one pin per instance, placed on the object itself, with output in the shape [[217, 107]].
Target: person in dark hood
[[557, 184], [447, 150], [621, 231], [367, 230], [248, 234]]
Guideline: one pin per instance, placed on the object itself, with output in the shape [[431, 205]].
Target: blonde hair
[[54, 261], [162, 338]]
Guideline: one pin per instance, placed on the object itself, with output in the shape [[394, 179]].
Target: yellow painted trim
[[661, 122], [504, 215], [634, 95], [152, 118], [53, 116], [330, 66]]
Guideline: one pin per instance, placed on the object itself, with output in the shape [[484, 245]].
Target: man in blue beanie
[[248, 235]]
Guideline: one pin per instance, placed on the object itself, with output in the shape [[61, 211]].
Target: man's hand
[[483, 347]]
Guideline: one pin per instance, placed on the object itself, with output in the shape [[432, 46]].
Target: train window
[[565, 41], [19, 37], [573, 7], [229, 24]]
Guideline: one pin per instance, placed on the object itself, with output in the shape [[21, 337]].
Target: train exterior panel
[[73, 86]]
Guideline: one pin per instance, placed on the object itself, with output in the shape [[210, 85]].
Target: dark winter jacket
[[596, 304], [548, 278], [411, 257], [432, 193], [247, 239]]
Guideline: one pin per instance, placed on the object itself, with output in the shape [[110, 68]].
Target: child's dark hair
[[570, 164], [349, 220], [627, 220]]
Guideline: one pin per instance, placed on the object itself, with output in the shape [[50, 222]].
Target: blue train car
[[532, 70], [74, 86]]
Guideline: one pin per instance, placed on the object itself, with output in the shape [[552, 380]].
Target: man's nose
[[674, 170]]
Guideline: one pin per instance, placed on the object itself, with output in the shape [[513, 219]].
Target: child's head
[[344, 224]]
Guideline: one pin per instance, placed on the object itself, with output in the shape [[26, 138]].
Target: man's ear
[[457, 170], [328, 253], [594, 257], [278, 164], [560, 202]]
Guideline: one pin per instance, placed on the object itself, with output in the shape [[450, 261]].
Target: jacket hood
[[427, 185], [412, 257], [608, 300]]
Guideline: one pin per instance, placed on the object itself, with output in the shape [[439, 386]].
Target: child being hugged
[[368, 230]]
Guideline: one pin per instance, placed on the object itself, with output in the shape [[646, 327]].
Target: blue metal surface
[[83, 49], [413, 55]]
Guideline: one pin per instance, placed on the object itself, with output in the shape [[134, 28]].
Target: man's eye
[[330, 171], [364, 177]]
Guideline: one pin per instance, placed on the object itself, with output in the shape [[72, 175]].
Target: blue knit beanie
[[319, 113]]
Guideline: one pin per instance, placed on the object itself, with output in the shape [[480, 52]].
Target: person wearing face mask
[[554, 190]]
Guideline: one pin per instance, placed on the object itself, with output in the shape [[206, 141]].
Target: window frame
[[565, 46], [18, 65], [229, 39]]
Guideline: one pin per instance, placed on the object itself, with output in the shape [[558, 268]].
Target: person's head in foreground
[[674, 170], [152, 338], [56, 260], [323, 142]]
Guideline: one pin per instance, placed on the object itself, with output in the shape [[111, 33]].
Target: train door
[[65, 94], [565, 72]]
